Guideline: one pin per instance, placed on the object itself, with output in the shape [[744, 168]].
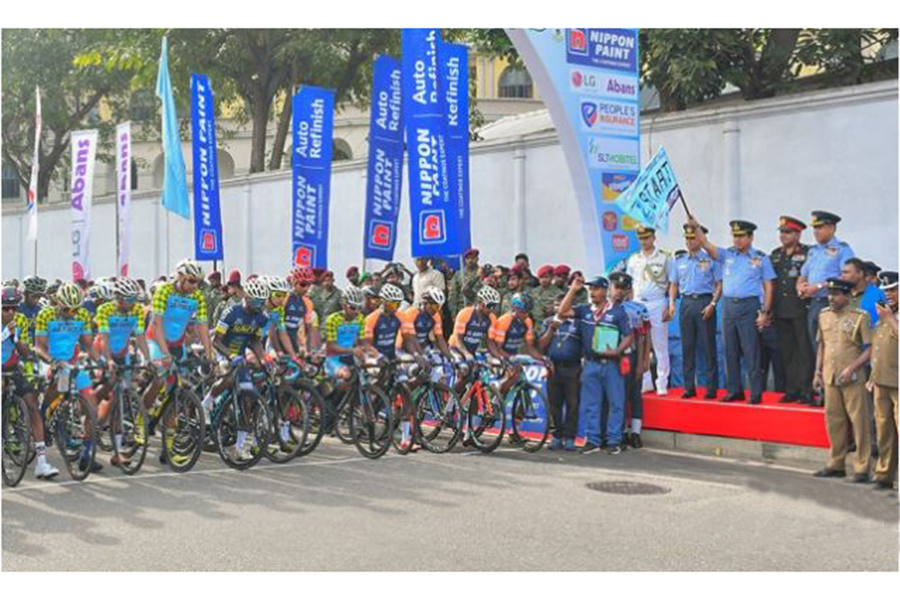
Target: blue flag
[[652, 195], [313, 121], [208, 239], [175, 192], [454, 85], [432, 215], [384, 183]]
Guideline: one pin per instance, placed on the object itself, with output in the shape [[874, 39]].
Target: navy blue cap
[[598, 281], [620, 279], [836, 284], [821, 217]]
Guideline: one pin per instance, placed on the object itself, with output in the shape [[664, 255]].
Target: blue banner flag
[[175, 191], [431, 209], [384, 183], [313, 122], [589, 80], [454, 85], [208, 239], [652, 195]]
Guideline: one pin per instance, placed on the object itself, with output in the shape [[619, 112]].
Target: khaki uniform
[[543, 297], [884, 376], [463, 289], [843, 335]]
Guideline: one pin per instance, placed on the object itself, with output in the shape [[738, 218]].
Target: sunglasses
[[10, 308], [192, 281], [256, 303], [392, 304], [278, 295]]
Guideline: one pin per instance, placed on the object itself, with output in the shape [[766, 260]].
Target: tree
[[70, 97]]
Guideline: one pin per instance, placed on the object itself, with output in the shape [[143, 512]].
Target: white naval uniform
[[650, 275]]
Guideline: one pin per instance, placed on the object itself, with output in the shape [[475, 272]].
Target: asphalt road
[[335, 510]]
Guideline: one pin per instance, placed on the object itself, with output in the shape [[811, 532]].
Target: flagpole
[[35, 256]]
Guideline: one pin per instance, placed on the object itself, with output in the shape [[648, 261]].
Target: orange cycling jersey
[[382, 329], [471, 328], [421, 323], [510, 331]]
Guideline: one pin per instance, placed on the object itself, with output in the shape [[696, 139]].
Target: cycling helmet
[[301, 275], [11, 296], [35, 285], [435, 295], [520, 301], [255, 289], [189, 268], [391, 293], [354, 297], [370, 291], [70, 295], [127, 288], [279, 284], [102, 290], [488, 295]]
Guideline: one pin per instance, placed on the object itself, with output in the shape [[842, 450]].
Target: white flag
[[123, 195], [84, 150], [32, 200]]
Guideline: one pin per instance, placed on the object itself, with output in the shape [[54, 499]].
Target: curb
[[735, 448]]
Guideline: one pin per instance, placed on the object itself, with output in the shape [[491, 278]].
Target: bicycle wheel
[[128, 420], [182, 426], [487, 419], [74, 419], [402, 405], [371, 422], [242, 432], [16, 439], [315, 408], [438, 417], [530, 417], [290, 426], [343, 427]]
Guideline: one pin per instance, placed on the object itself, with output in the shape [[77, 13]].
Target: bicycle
[[179, 412], [71, 420], [304, 380], [371, 416], [128, 421], [438, 411], [397, 382], [290, 414], [16, 433], [483, 407], [530, 414]]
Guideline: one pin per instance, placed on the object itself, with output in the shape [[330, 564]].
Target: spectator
[[865, 295], [426, 277], [560, 341], [469, 272]]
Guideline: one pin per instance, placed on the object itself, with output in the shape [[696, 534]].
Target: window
[[516, 83], [10, 182], [341, 151], [134, 175]]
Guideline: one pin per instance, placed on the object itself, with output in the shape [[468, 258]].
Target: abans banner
[[384, 183], [208, 240], [313, 124]]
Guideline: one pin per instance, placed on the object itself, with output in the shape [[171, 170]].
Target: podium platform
[[769, 421]]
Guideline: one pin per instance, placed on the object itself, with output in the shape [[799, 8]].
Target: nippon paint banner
[[589, 81], [84, 151], [384, 182], [313, 123], [454, 85], [209, 243], [123, 195], [432, 212]]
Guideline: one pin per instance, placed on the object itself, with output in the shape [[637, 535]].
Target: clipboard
[[606, 338]]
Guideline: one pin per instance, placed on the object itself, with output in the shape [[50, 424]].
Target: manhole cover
[[627, 488]]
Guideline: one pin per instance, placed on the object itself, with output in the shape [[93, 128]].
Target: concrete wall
[[834, 150]]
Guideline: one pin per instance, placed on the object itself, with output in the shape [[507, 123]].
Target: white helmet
[[103, 290], [435, 295], [488, 295], [189, 268], [278, 284], [70, 295], [127, 288], [354, 297], [255, 288], [391, 293]]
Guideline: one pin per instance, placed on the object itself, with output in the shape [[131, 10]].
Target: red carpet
[[769, 421]]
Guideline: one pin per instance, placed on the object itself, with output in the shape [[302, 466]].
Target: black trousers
[[796, 351], [563, 393], [771, 354], [695, 330]]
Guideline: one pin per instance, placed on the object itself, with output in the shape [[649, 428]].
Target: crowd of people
[[824, 320]]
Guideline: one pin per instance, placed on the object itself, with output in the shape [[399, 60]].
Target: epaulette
[[827, 309]]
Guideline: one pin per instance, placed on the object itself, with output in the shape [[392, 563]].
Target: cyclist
[[276, 331], [382, 330], [298, 312], [373, 300], [59, 330], [474, 323], [16, 345], [35, 289], [241, 327], [422, 325], [176, 305], [342, 333]]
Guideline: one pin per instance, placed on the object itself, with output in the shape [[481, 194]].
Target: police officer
[[638, 356], [883, 381], [790, 311], [649, 269], [823, 260], [842, 350], [560, 341], [698, 278], [746, 272]]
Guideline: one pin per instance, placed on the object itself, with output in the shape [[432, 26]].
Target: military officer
[[823, 260], [883, 381], [544, 296], [843, 348], [649, 269], [790, 311], [747, 276], [327, 299], [698, 278], [468, 274]]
